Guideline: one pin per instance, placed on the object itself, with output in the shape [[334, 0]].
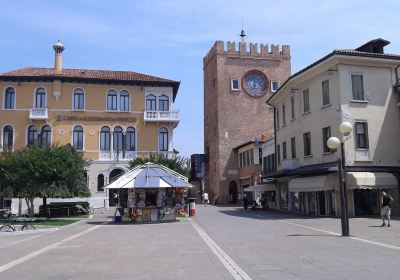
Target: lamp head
[[345, 128], [333, 143]]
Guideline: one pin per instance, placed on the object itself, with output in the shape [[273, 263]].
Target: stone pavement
[[265, 245]]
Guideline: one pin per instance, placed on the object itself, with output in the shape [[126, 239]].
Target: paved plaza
[[219, 243]]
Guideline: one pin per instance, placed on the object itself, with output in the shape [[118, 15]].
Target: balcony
[[290, 164], [161, 116], [38, 114], [131, 155]]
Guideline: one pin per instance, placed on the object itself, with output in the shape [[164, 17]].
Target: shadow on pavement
[[311, 235]]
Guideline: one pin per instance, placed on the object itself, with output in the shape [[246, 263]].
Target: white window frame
[[272, 86], [364, 100], [302, 95], [238, 81], [322, 93], [83, 136], [34, 97], [4, 98], [129, 100], [2, 136], [107, 92], [73, 100]]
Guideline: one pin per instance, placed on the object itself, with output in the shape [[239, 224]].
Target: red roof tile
[[84, 74]]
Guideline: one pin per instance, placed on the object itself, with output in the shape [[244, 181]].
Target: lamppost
[[333, 143]]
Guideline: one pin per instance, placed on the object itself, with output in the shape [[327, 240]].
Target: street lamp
[[333, 143]]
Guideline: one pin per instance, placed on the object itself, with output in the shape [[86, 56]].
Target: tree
[[177, 164], [49, 171]]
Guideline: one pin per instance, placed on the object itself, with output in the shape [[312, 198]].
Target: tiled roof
[[337, 52], [85, 74], [89, 76]]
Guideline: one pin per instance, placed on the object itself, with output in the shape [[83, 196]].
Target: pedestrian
[[385, 208], [205, 199], [116, 198], [245, 202]]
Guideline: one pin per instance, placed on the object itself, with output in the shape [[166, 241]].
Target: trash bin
[[117, 217], [192, 206]]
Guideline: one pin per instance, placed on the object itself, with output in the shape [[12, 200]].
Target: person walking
[[205, 199], [385, 208], [245, 202]]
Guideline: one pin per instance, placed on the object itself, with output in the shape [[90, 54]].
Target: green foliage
[[177, 164], [49, 171]]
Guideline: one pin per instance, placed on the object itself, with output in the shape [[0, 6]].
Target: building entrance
[[113, 197], [232, 192]]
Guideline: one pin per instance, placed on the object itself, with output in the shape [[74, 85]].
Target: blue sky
[[169, 38]]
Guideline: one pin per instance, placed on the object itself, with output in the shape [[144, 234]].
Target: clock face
[[255, 83]]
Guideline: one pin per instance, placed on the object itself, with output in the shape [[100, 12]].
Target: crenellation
[[275, 49], [229, 48], [264, 50], [253, 49]]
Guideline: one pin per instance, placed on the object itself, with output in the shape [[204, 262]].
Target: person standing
[[385, 208], [205, 198], [245, 202]]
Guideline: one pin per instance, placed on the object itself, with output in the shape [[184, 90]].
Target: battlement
[[252, 50]]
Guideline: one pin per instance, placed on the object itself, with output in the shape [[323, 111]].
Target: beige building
[[237, 83], [110, 116], [346, 85]]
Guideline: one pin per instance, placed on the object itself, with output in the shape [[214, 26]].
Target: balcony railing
[[131, 155], [161, 116], [38, 114]]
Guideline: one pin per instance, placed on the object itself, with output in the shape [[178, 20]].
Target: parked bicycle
[[80, 210]]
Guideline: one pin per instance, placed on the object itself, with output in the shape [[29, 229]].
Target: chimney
[[58, 49]]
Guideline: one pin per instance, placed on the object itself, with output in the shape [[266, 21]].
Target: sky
[[169, 38]]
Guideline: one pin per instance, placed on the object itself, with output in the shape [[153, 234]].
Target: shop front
[[366, 187], [150, 193], [264, 195], [313, 195]]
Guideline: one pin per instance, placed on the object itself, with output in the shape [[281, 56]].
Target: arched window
[[100, 183], [105, 138], [163, 139], [150, 103], [9, 99], [112, 100], [46, 135], [117, 139], [79, 99], [32, 134], [40, 98], [124, 101], [130, 139], [163, 103], [8, 137], [77, 138]]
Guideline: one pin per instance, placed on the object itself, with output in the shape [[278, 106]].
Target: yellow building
[[110, 116]]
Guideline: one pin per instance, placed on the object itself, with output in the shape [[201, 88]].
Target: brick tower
[[237, 83]]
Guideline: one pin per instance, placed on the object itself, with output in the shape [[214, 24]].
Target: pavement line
[[30, 238], [44, 250], [229, 264], [312, 228], [350, 237]]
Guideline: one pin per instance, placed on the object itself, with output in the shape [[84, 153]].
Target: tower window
[[274, 86], [235, 85]]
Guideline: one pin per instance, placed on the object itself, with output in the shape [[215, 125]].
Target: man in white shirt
[[205, 198]]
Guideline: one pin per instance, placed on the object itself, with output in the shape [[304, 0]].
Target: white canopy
[[313, 183], [371, 180], [150, 176]]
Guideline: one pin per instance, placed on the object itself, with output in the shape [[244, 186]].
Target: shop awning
[[312, 184], [371, 180], [261, 188]]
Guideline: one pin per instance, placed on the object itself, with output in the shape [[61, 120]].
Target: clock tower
[[237, 83]]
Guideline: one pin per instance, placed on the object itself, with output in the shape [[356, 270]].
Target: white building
[[346, 85]]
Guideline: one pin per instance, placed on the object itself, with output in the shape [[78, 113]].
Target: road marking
[[312, 228], [229, 264], [350, 237], [44, 250], [43, 231]]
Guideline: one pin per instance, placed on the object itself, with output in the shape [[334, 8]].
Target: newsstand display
[[152, 205]]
